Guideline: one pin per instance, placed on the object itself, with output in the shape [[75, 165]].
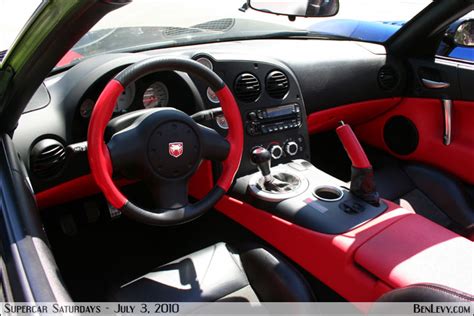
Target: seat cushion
[[220, 273]]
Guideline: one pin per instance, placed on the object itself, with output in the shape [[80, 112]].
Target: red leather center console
[[395, 249], [330, 258], [415, 250]]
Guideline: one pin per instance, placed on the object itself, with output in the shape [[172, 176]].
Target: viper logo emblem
[[175, 149]]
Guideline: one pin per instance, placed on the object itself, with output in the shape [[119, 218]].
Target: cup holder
[[328, 193]]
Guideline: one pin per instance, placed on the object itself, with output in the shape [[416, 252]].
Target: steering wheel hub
[[174, 149]]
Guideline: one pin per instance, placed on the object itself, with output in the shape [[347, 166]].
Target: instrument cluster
[[161, 89], [137, 95]]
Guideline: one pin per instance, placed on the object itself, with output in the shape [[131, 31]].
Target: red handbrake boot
[[362, 174]]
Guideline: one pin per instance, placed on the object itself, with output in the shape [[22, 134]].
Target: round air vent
[[247, 87], [277, 84], [388, 78], [47, 158]]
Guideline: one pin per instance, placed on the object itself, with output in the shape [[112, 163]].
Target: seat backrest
[[426, 292]]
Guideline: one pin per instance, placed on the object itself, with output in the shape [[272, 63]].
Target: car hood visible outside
[[371, 31]]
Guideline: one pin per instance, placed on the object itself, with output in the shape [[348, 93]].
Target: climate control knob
[[291, 148], [276, 151]]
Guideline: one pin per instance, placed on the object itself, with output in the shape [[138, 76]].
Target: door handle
[[447, 109], [431, 84]]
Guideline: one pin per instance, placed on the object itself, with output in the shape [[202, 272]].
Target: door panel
[[427, 117]]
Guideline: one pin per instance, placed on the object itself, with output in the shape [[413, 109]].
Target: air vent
[[47, 158], [277, 84], [247, 87], [388, 78]]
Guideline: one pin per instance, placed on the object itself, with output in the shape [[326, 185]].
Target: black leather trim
[[444, 199], [223, 273], [272, 277], [426, 292], [445, 191], [173, 216], [30, 266]]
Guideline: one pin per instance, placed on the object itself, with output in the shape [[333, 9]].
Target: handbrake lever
[[362, 174]]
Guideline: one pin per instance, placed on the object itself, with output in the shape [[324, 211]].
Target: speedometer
[[156, 95]]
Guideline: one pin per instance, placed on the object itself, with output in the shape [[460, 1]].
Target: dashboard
[[276, 84]]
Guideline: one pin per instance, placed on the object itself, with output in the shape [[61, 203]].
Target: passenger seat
[[425, 190]]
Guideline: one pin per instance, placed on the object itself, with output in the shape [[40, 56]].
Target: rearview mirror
[[292, 8], [464, 35]]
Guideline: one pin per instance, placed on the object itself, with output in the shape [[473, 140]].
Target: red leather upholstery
[[353, 114], [330, 258], [427, 116], [416, 250]]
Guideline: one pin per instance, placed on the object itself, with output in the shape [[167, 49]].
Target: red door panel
[[352, 114], [427, 115]]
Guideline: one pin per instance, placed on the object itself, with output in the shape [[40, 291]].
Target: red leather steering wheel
[[163, 147]]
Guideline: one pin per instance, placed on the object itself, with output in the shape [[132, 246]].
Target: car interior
[[272, 169]]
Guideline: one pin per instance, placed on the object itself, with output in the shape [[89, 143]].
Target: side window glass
[[458, 42]]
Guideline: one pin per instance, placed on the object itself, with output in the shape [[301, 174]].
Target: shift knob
[[262, 158]]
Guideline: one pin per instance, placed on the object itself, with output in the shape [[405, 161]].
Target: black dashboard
[[276, 83]]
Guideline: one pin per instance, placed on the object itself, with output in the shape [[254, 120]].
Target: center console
[[275, 174], [271, 107], [318, 202]]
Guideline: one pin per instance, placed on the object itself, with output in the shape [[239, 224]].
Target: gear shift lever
[[282, 182], [262, 158]]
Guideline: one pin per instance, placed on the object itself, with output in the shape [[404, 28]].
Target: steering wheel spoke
[[214, 146], [125, 154], [169, 194]]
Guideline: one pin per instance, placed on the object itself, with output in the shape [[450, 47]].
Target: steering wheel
[[164, 147]]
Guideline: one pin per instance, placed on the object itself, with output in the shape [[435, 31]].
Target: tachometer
[[156, 95], [125, 99]]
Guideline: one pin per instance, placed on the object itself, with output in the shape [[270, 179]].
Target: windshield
[[146, 24], [18, 14]]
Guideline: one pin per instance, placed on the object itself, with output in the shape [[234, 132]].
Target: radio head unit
[[274, 119]]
